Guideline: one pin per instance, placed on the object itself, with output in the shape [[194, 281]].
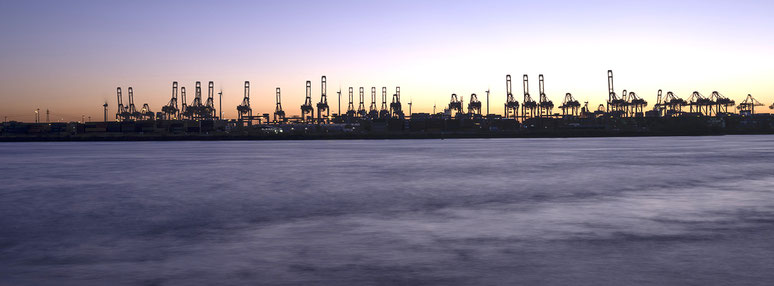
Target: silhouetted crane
[[209, 110], [323, 104], [721, 102], [700, 104], [511, 105], [385, 110], [373, 111], [528, 106], [170, 110], [635, 105], [244, 111], [614, 103], [570, 104], [146, 113], [455, 104], [748, 105], [307, 107], [474, 106], [545, 106], [121, 113], [361, 111], [396, 109], [185, 111], [279, 114], [351, 113], [674, 104]]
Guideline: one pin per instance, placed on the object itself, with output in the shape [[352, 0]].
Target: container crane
[[279, 114], [474, 106], [635, 105], [658, 108], [385, 111], [351, 113], [700, 104], [196, 106], [322, 106], [673, 104], [135, 114], [570, 106], [120, 116], [373, 112], [244, 111], [747, 107], [614, 103], [721, 102], [170, 110], [396, 109], [209, 110], [307, 108], [545, 105], [455, 104], [511, 105], [528, 106], [185, 112], [361, 111], [146, 112]]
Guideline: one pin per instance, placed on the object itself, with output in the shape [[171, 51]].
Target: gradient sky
[[69, 56]]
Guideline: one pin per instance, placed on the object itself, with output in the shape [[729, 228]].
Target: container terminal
[[623, 114]]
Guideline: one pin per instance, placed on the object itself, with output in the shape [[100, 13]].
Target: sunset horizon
[[71, 56]]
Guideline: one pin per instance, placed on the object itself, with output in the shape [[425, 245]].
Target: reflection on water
[[602, 211]]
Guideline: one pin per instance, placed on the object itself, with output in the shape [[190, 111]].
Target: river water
[[591, 211]]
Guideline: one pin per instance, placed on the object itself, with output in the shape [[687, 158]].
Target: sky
[[69, 56]]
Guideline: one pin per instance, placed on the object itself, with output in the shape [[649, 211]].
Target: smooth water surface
[[597, 211]]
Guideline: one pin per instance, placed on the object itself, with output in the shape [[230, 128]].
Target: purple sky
[[69, 56]]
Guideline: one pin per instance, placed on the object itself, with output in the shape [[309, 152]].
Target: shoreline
[[365, 136]]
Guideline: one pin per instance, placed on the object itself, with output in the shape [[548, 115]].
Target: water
[[601, 211]]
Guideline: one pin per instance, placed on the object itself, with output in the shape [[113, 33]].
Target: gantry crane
[[721, 102], [385, 111], [396, 109], [748, 105], [171, 112], [455, 104], [185, 110], [133, 113], [700, 104], [322, 106], [528, 106], [209, 111], [511, 105], [373, 112], [279, 114], [307, 108], [673, 104], [659, 107], [614, 103], [146, 113], [136, 114], [361, 111], [338, 93], [570, 106], [195, 109], [545, 106], [244, 110], [122, 113], [474, 106], [635, 105], [351, 113]]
